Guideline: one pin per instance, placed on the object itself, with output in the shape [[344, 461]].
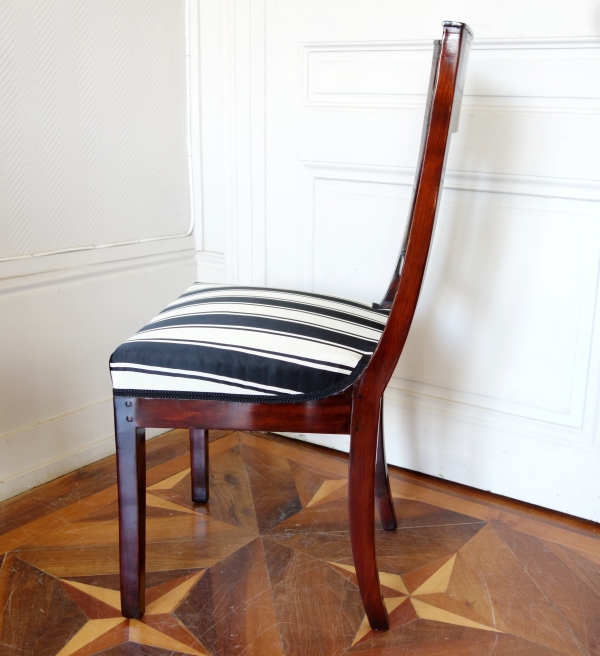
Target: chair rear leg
[[383, 493], [199, 457], [131, 472], [361, 501]]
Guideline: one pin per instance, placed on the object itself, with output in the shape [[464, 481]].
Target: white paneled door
[[323, 105]]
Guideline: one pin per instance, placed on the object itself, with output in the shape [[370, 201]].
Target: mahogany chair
[[240, 358]]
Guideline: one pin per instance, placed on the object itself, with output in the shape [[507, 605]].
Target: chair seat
[[248, 344]]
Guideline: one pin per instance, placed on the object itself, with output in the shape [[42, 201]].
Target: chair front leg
[[131, 473], [199, 458], [383, 493], [361, 501]]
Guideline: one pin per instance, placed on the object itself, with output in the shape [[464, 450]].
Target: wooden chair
[[147, 394]]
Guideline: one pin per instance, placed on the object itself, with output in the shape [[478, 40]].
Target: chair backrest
[[442, 112]]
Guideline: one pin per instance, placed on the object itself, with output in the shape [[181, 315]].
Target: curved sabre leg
[[383, 493], [361, 493]]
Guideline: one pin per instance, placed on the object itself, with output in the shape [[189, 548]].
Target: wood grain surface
[[266, 568]]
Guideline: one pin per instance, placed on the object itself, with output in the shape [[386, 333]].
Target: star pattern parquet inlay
[[265, 568]]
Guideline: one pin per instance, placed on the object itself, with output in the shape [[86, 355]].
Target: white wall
[[312, 114], [95, 221]]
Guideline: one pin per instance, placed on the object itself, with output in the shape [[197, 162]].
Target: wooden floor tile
[[230, 441], [330, 464], [578, 604], [201, 551], [397, 552], [273, 489], [584, 542], [588, 564], [76, 561], [309, 480], [328, 517], [428, 638], [414, 514], [67, 490], [230, 494], [96, 636], [520, 606], [330, 490], [135, 649], [38, 615], [176, 526], [30, 533], [265, 568], [218, 611], [96, 602], [318, 610], [166, 633], [431, 578], [467, 594]]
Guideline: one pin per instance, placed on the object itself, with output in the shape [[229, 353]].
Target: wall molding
[[514, 43], [192, 56], [87, 249], [244, 117], [580, 438], [496, 183], [74, 335], [211, 266], [566, 95], [35, 274], [41, 440], [579, 428], [95, 418], [524, 185]]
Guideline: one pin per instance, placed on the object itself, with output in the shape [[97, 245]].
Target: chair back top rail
[[441, 119]]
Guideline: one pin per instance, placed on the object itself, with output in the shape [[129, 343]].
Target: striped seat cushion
[[248, 344]]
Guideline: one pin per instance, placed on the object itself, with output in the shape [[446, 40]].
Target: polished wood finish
[[383, 492], [199, 460], [406, 285], [361, 498], [469, 573], [329, 415], [357, 410], [131, 475], [452, 56]]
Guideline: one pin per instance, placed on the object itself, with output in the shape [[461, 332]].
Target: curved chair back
[[441, 119]]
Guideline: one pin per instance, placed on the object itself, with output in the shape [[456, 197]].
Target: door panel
[[498, 384]]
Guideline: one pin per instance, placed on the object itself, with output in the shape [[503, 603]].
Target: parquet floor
[[265, 569]]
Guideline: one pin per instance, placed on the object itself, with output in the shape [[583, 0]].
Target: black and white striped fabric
[[248, 344]]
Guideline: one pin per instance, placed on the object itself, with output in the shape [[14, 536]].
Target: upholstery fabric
[[248, 344]]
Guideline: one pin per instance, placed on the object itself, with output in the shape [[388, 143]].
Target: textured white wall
[[94, 212], [93, 123]]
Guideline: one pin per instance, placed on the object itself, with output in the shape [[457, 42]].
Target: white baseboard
[[29, 450], [459, 450], [63, 315], [79, 437]]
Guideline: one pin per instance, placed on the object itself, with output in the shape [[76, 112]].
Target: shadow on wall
[[462, 283]]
